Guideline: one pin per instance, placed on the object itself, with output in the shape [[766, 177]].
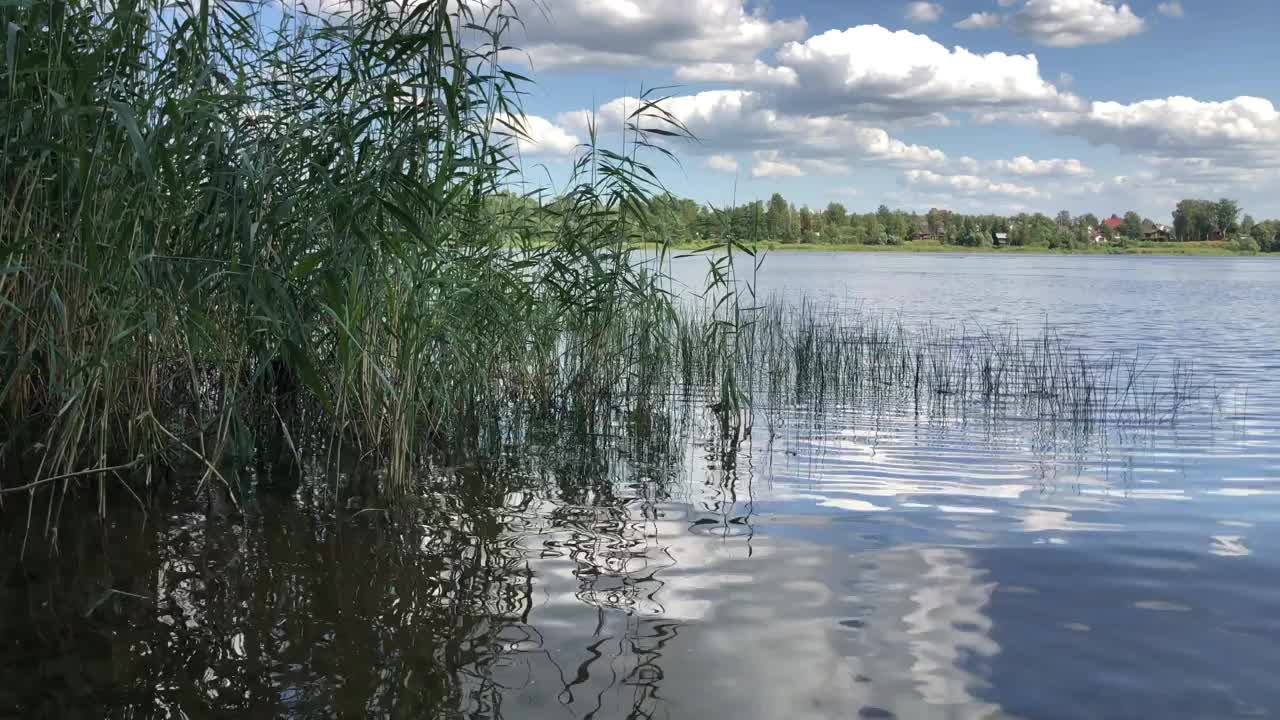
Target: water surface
[[865, 562]]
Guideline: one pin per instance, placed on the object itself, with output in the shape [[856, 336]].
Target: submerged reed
[[797, 355]]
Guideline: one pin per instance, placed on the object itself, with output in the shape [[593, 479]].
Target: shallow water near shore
[[858, 560]]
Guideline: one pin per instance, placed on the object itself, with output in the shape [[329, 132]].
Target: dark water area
[[859, 562]]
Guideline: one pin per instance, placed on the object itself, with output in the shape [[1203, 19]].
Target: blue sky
[[975, 105]]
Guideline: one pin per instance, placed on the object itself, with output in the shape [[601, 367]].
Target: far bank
[[916, 246]]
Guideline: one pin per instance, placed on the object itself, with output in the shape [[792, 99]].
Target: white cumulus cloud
[[1025, 166], [752, 73], [772, 163], [971, 185], [1170, 9], [723, 163], [1245, 129], [1207, 172], [873, 70], [536, 135], [648, 32], [726, 121], [924, 12], [1072, 23], [980, 21], [767, 163]]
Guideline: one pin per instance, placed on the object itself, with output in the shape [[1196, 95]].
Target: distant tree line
[[682, 220], [1207, 220]]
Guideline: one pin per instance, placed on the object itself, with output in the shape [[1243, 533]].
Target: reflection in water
[[737, 575], [513, 589]]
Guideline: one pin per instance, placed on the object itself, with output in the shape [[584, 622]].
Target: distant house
[[1156, 233], [1001, 238], [1216, 235], [1114, 223], [922, 232]]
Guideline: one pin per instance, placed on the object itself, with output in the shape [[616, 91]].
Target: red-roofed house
[[1113, 222]]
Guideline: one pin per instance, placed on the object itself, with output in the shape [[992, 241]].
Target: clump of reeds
[[797, 354], [252, 230]]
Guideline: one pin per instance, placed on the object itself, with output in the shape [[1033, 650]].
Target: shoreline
[[1171, 249]]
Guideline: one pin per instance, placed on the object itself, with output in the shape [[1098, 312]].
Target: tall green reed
[[226, 224]]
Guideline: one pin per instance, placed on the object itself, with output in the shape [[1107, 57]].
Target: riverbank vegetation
[[1212, 248], [779, 223]]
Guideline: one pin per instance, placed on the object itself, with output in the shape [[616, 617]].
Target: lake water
[[870, 563]]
